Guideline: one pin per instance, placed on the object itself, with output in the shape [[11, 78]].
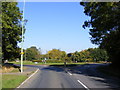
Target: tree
[[76, 56], [85, 56], [32, 53], [104, 19], [89, 55], [11, 29], [98, 54], [68, 57], [63, 55], [112, 44], [105, 25], [56, 54]]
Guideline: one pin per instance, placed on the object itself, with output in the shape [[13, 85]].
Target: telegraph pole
[[22, 38]]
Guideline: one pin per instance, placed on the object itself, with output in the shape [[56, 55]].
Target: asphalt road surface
[[54, 77]]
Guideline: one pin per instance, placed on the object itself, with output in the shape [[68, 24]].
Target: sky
[[56, 25]]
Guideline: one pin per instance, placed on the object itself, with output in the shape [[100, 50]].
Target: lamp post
[[22, 38]]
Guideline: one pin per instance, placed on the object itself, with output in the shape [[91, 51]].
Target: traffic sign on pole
[[22, 38]]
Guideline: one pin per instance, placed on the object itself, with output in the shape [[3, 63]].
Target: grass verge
[[32, 63], [55, 64], [12, 81]]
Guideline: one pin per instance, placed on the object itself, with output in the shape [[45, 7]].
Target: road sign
[[22, 53]]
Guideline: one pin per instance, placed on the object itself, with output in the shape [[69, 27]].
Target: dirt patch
[[5, 69]]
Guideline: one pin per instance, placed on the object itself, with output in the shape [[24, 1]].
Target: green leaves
[[89, 55], [11, 29], [105, 26], [104, 18], [32, 53], [56, 54]]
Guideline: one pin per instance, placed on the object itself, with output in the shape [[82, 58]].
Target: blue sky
[[56, 25]]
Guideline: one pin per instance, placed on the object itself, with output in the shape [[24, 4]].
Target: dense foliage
[[112, 45], [89, 55], [104, 26], [32, 53], [56, 55], [11, 30]]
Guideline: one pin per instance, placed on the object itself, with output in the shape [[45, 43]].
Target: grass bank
[[11, 70], [12, 81], [11, 77]]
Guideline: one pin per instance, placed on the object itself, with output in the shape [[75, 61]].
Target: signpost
[[22, 38]]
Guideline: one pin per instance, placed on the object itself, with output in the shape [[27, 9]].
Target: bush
[[37, 61]]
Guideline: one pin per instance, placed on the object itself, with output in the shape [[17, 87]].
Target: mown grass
[[24, 62], [41, 63], [12, 81]]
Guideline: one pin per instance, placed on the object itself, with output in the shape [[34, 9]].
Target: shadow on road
[[53, 68], [58, 68], [91, 71]]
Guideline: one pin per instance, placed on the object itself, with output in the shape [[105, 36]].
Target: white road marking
[[83, 85], [69, 73], [28, 78]]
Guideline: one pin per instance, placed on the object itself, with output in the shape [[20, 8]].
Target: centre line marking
[[83, 85], [69, 73]]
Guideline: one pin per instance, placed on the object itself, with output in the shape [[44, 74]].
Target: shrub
[[36, 60]]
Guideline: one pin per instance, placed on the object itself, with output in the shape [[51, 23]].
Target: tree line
[[87, 55]]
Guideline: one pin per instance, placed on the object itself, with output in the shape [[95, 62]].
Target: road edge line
[[27, 78], [83, 85], [69, 73]]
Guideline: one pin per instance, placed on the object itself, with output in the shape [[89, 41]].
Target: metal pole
[[25, 55], [22, 38]]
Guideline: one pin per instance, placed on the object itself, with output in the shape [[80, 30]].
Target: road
[[54, 77]]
